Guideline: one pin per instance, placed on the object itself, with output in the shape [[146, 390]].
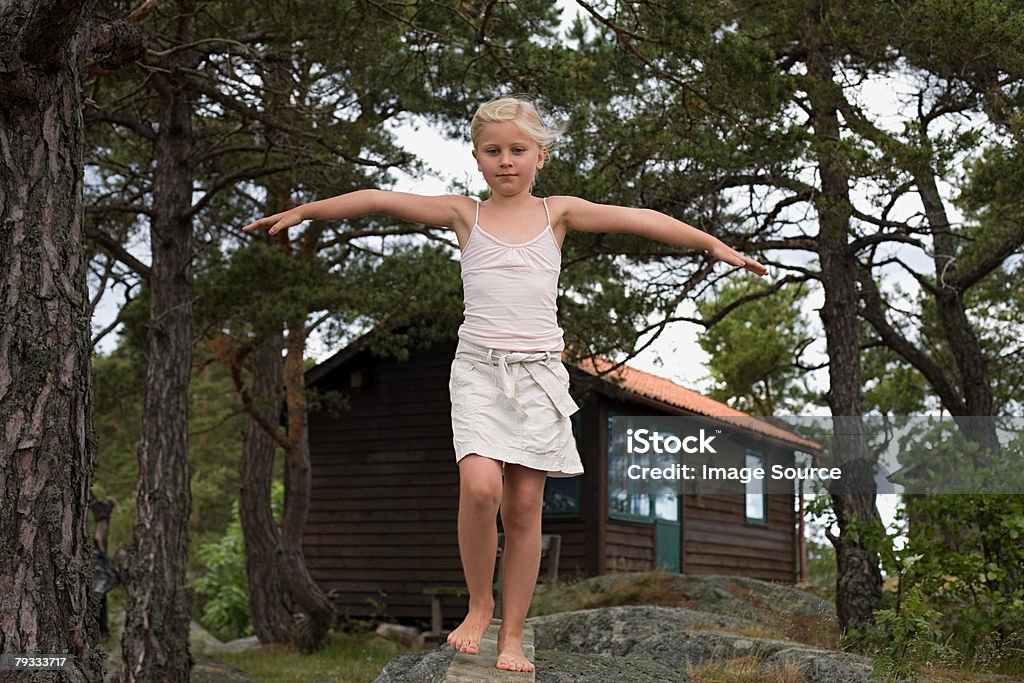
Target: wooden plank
[[359, 540], [411, 450], [762, 574], [343, 506], [406, 425], [411, 491], [387, 514], [328, 569], [425, 462], [435, 478], [396, 588], [352, 564], [382, 551], [752, 537], [398, 527], [479, 668], [734, 556]]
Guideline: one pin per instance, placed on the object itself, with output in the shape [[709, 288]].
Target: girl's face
[[508, 158]]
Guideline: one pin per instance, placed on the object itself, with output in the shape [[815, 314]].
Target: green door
[[667, 532]]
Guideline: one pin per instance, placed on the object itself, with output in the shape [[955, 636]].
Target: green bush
[[908, 635], [961, 590], [224, 585]]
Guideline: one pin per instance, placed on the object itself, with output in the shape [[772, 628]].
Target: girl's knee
[[483, 499], [481, 495], [520, 516], [480, 483]]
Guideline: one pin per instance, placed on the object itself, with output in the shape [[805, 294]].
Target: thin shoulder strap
[[476, 221], [546, 212]]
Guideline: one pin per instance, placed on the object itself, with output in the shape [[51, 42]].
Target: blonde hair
[[519, 110]]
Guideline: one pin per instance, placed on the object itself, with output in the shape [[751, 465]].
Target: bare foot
[[510, 653], [466, 637]]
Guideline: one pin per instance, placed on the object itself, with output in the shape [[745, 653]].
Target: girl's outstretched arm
[[445, 211], [579, 214]]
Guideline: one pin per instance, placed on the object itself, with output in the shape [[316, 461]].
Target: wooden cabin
[[385, 488]]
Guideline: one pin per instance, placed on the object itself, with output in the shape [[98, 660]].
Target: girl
[[509, 390]]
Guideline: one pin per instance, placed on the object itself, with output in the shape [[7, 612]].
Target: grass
[[809, 630], [744, 670], [651, 588], [348, 658]]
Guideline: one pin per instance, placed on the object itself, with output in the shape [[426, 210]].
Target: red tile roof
[[666, 391]]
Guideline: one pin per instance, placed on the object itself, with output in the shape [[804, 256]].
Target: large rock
[[644, 644], [566, 667], [679, 638], [674, 636], [783, 609], [604, 629], [418, 667], [207, 670], [552, 667]]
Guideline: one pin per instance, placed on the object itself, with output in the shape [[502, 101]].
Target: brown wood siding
[[572, 562], [385, 488], [717, 539], [629, 546], [716, 536]]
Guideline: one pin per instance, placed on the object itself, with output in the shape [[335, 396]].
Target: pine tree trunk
[[154, 646], [311, 608], [46, 441], [859, 579], [267, 603], [975, 381], [286, 604]]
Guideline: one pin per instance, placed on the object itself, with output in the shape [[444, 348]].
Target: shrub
[[224, 584]]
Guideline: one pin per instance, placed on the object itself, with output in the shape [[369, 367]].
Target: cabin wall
[[385, 487], [716, 536], [719, 539]]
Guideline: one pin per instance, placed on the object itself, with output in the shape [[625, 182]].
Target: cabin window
[[562, 494], [628, 498], [756, 502]]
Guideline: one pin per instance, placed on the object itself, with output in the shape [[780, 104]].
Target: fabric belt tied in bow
[[538, 367]]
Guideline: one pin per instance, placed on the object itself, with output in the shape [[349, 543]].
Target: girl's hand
[[279, 221], [724, 252]]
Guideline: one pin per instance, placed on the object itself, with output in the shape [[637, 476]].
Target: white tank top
[[509, 291]]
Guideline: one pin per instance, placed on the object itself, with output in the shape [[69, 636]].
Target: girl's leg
[[520, 516], [479, 498]]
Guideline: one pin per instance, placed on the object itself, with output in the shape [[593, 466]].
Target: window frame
[[748, 454]]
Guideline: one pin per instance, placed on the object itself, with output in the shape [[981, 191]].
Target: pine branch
[[117, 250], [993, 259], [873, 311]]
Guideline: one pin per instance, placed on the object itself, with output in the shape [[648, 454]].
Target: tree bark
[[312, 610], [47, 443], [154, 646], [975, 381], [268, 604], [859, 579]]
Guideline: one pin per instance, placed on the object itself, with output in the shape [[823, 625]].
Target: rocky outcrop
[[644, 644], [712, 621], [682, 640], [418, 667]]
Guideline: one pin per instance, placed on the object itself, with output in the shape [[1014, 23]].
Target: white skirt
[[513, 407]]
